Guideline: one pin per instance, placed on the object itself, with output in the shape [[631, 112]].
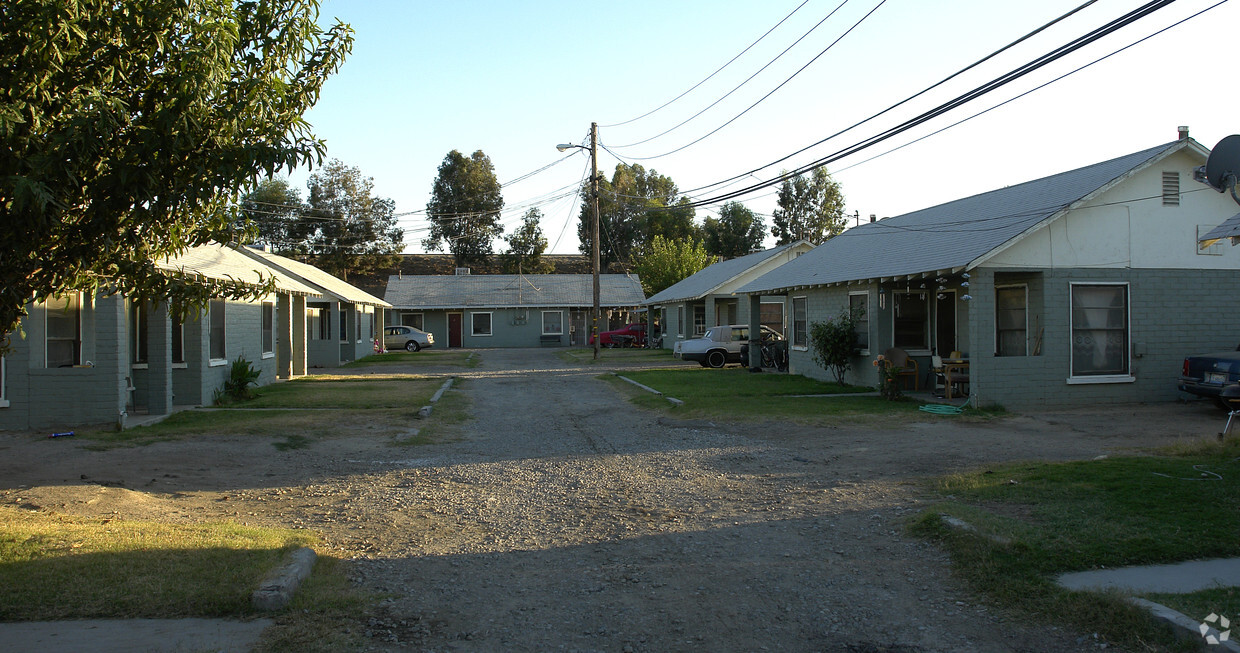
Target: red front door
[[454, 330]]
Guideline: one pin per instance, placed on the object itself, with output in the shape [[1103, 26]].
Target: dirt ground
[[563, 518]]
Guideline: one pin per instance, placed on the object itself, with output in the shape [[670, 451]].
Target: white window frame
[[421, 320], [864, 351], [344, 322], [792, 324], [699, 330], [680, 321], [545, 332], [357, 324], [926, 327], [223, 360], [473, 325], [77, 338], [1025, 288], [1073, 379], [268, 349]]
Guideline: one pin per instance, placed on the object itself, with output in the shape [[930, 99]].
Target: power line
[[901, 102], [747, 79], [772, 92], [960, 100], [708, 77]]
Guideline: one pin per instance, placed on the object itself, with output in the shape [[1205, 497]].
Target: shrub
[[240, 378], [834, 343]]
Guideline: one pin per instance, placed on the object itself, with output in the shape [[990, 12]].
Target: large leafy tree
[[635, 205], [344, 226], [464, 208], [129, 128], [526, 245], [665, 261], [810, 208], [273, 208], [736, 232]]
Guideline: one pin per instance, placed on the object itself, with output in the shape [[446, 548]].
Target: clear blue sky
[[515, 79]]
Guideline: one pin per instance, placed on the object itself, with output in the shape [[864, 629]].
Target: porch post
[[284, 336]]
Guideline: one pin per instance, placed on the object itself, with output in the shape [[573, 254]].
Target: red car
[[631, 335]]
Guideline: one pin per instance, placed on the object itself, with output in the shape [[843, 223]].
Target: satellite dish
[[1222, 169]]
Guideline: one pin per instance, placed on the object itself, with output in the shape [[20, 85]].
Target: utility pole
[[594, 230]]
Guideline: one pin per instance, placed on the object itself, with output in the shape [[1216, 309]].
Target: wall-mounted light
[[967, 297], [964, 285], [965, 275], [942, 296]]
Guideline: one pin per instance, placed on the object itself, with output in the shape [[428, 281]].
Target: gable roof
[[222, 263], [511, 291], [709, 279], [956, 235], [309, 274]]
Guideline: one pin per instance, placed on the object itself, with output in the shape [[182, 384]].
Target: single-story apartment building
[[342, 323], [708, 298], [1084, 287], [510, 310], [97, 358]]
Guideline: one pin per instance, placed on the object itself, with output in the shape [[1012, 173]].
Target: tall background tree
[[665, 261], [810, 208], [273, 208], [464, 208], [736, 232], [130, 128], [344, 226], [635, 205], [526, 245]]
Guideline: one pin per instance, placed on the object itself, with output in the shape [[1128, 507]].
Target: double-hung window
[[699, 320], [1011, 321], [858, 306], [481, 324], [412, 319], [218, 337], [269, 328], [141, 337], [1100, 331], [552, 323], [64, 330], [800, 322], [680, 321]]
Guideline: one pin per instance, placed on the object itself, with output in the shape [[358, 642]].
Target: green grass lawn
[[1114, 512], [737, 393], [60, 567], [424, 358]]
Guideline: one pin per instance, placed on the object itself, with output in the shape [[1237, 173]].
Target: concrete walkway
[[1180, 578], [133, 635]]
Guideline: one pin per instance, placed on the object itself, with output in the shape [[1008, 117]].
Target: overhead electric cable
[[747, 80], [708, 77], [772, 92], [1054, 55], [901, 102]]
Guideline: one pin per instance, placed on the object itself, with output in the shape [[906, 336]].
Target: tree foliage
[[129, 129], [344, 226], [833, 343], [665, 261], [464, 208], [526, 246], [273, 209], [635, 206], [737, 232], [810, 208]]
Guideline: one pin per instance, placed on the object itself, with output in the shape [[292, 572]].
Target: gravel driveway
[[564, 518]]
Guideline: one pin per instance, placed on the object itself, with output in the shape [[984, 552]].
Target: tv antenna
[[1222, 170]]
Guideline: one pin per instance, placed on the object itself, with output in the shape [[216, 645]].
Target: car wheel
[[410, 345], [716, 359], [1221, 403]]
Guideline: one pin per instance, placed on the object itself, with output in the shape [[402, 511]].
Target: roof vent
[[1183, 130], [462, 272]]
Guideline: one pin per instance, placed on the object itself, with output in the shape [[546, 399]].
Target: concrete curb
[[443, 388], [1186, 629], [649, 389], [277, 589]]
